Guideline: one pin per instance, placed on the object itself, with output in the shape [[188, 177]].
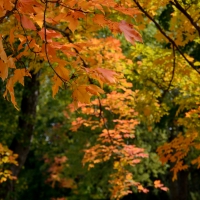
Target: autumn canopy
[[109, 86]]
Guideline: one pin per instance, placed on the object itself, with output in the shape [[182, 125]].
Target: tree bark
[[179, 188], [22, 140]]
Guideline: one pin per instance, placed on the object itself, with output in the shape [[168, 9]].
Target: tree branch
[[65, 34], [9, 12], [25, 34], [101, 115], [45, 42], [164, 34], [173, 73], [180, 8]]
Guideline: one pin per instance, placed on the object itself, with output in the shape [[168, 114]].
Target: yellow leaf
[[147, 111], [57, 83], [73, 23], [80, 94], [62, 72], [95, 90], [5, 159], [3, 179]]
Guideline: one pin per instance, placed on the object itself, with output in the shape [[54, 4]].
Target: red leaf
[[130, 33], [26, 22], [107, 75]]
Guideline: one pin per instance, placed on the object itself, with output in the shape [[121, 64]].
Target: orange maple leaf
[[107, 75], [26, 22], [26, 6], [49, 34], [3, 70], [18, 76], [158, 184]]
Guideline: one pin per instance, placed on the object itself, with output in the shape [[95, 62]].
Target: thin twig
[[8, 45], [65, 34], [27, 40], [74, 9], [9, 12], [45, 43], [101, 115], [173, 73]]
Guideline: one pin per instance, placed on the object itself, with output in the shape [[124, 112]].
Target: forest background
[[99, 99]]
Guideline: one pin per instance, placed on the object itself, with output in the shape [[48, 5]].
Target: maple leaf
[[80, 94], [130, 33], [8, 5], [50, 34], [17, 77], [158, 184], [3, 70], [128, 11], [2, 12], [102, 75], [95, 90], [38, 17], [58, 79], [62, 72], [3, 55], [5, 62], [100, 20], [73, 22], [107, 75], [26, 6], [8, 157], [72, 18], [142, 189], [57, 83], [26, 22]]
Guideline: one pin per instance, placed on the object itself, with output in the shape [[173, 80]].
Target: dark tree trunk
[[179, 188], [22, 140]]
